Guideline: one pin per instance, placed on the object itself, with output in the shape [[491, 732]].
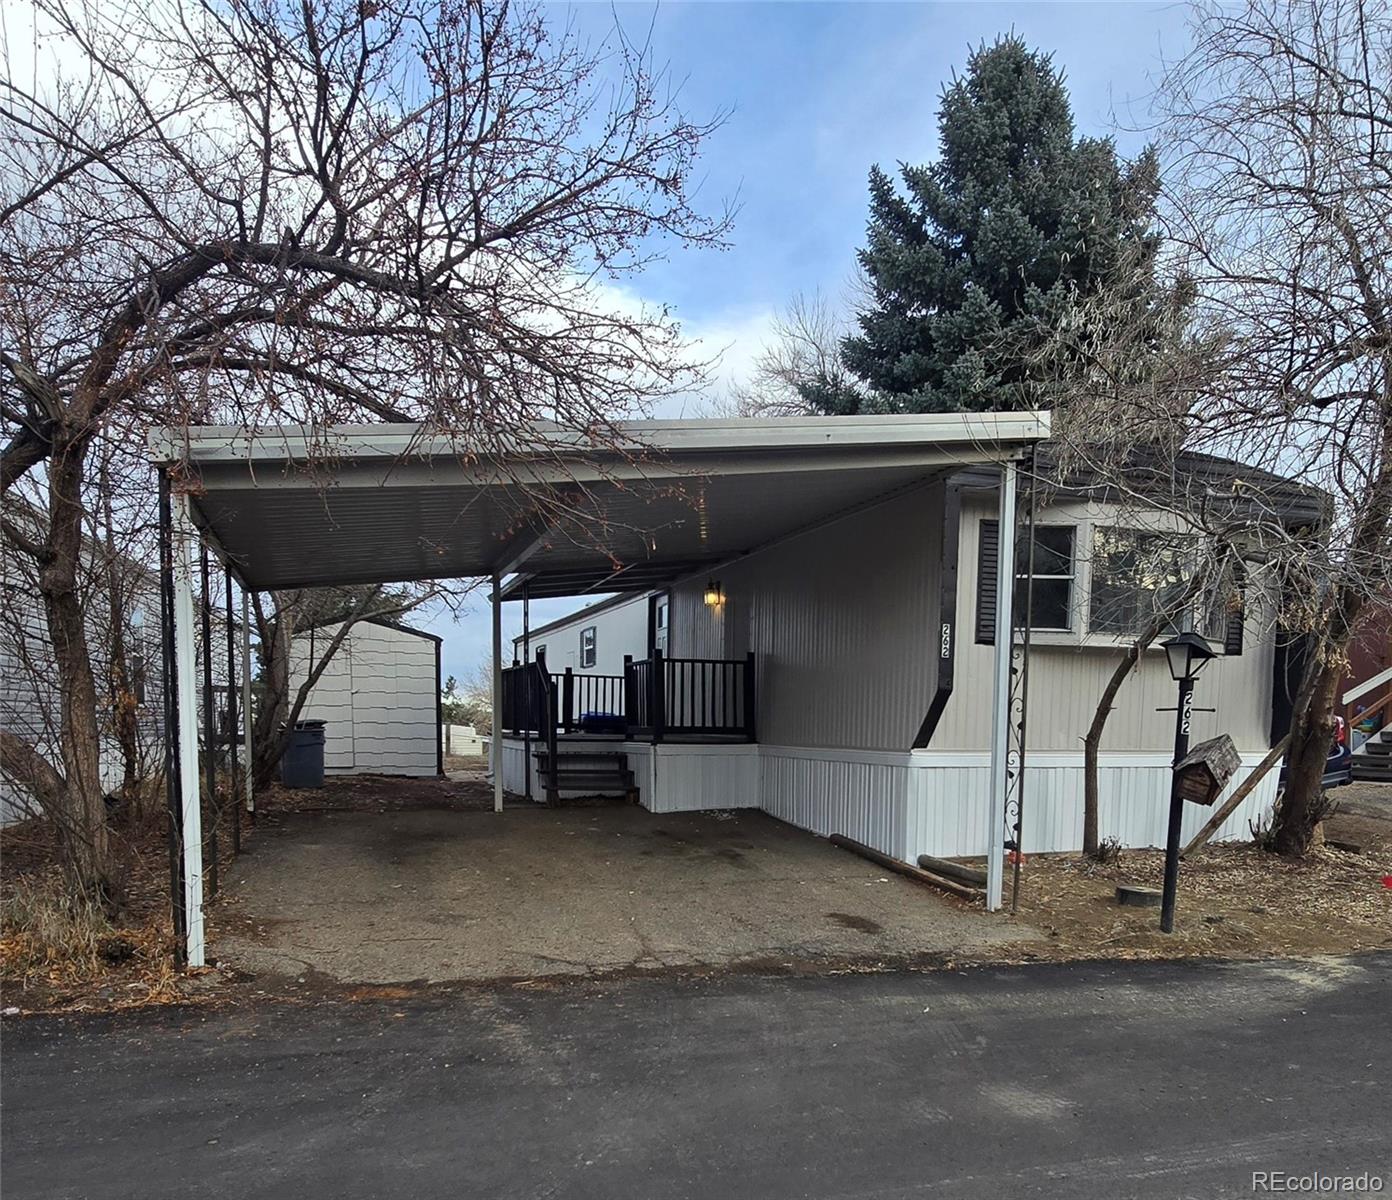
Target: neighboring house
[[596, 637], [29, 699], [871, 638], [379, 698]]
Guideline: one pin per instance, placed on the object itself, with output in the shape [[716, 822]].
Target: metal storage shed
[[379, 698]]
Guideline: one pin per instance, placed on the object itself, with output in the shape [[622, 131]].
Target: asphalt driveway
[[1107, 1081], [444, 894]]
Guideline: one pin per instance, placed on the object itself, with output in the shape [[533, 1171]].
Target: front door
[[659, 621]]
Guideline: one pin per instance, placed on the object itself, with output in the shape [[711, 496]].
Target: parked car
[[1338, 767]]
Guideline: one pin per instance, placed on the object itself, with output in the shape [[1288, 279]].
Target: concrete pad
[[446, 895]]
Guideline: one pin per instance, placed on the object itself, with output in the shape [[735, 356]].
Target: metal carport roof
[[294, 507], [652, 501]]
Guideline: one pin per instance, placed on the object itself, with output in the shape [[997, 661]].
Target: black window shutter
[[988, 553], [1232, 635]]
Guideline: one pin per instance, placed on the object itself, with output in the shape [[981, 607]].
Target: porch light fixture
[[715, 597], [1186, 654]]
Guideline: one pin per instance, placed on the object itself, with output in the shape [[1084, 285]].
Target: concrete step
[[1371, 770], [1377, 746]]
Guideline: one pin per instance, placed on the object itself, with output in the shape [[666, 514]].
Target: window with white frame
[[1137, 574], [587, 646]]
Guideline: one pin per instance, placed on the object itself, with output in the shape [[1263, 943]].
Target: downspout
[[947, 613]]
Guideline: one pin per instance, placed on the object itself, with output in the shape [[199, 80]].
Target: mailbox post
[[1186, 655]]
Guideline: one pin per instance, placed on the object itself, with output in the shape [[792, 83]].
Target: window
[[540, 652], [1054, 573], [587, 647], [1134, 576], [1051, 605]]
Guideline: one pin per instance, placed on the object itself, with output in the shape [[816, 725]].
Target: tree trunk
[[124, 718], [1301, 805], [86, 848], [1092, 741], [267, 737], [1311, 735]]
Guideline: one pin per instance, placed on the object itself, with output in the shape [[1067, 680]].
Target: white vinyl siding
[[30, 705], [620, 629], [1068, 671]]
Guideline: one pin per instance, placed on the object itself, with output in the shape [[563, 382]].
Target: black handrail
[[705, 696], [587, 700], [654, 697]]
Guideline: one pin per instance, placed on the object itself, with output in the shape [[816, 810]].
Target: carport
[[553, 514]]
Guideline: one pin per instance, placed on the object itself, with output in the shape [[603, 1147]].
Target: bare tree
[[802, 359], [248, 212], [1277, 354], [115, 590], [1280, 207]]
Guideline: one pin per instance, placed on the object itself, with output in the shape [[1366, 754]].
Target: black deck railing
[[655, 698], [529, 706], [690, 696]]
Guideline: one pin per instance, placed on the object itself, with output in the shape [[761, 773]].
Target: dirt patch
[[851, 921], [1235, 901], [379, 793]]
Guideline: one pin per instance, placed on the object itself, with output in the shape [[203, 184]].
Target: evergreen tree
[[984, 251]]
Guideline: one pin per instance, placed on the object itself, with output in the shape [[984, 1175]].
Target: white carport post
[[1000, 708], [497, 755], [185, 544]]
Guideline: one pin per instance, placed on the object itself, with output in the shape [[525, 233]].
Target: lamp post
[[1186, 653]]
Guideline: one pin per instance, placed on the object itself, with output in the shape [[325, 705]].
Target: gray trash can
[[302, 764]]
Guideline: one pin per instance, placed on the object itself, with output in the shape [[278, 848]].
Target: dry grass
[[1234, 901], [61, 951], [45, 929], [58, 952]]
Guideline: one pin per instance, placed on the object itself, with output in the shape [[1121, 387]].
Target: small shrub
[[1108, 851]]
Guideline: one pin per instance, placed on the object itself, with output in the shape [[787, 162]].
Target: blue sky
[[819, 92]]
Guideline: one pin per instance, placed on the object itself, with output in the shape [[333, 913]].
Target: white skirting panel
[[920, 802], [515, 766], [674, 777], [1133, 803], [924, 803], [863, 795]]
